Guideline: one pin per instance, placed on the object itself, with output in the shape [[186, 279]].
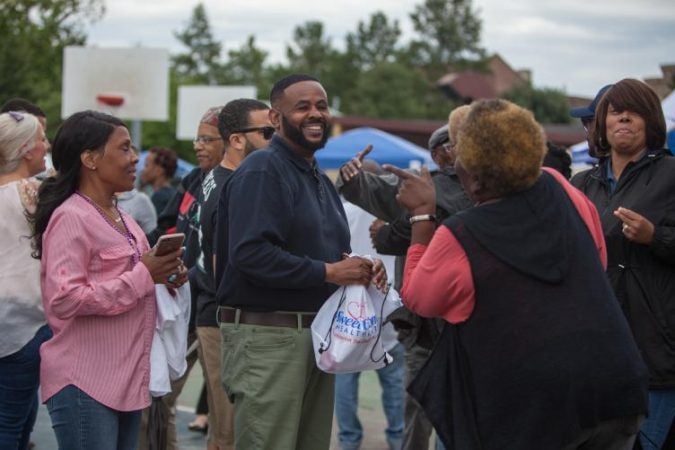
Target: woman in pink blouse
[[536, 352], [98, 279]]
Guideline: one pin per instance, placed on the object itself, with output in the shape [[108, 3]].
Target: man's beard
[[249, 148], [295, 135]]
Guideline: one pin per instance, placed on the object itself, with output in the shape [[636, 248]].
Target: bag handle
[[329, 335], [379, 333]]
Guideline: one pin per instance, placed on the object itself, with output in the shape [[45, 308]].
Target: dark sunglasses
[[266, 132]]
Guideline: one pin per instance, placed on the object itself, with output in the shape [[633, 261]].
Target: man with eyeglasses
[[179, 213], [182, 215], [244, 126], [587, 116]]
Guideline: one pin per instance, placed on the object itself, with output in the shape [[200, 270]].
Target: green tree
[[35, 32], [375, 42], [201, 63], [310, 51], [247, 64], [548, 105], [389, 90], [271, 74], [449, 36], [448, 39]]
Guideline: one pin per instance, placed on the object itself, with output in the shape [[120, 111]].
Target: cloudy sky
[[575, 45]]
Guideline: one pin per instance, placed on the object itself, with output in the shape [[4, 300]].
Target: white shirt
[[140, 207], [359, 222], [21, 311], [169, 343]]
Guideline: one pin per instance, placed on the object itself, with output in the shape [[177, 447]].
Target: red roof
[[418, 131], [469, 84]]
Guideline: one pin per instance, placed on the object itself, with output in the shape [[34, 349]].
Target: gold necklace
[[122, 229]]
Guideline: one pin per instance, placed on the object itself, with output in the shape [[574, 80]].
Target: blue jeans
[[656, 426], [19, 380], [82, 423], [350, 431]]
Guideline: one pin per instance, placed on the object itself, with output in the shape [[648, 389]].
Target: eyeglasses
[[448, 147], [205, 139], [266, 131]]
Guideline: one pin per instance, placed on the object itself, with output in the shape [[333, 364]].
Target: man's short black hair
[[281, 85], [21, 104], [235, 116]]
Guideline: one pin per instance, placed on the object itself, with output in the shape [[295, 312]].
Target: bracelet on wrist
[[422, 218]]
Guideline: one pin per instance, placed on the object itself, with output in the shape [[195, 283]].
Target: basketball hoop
[[110, 103], [110, 100]]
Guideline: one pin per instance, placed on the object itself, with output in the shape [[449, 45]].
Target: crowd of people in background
[[538, 310]]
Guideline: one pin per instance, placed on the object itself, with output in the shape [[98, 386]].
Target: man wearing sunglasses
[[243, 126]]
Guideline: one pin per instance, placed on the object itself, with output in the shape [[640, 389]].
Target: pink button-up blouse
[[100, 306]]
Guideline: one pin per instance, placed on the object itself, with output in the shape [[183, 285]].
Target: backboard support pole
[[136, 133]]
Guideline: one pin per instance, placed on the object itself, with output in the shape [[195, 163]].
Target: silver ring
[[172, 278], [625, 227]]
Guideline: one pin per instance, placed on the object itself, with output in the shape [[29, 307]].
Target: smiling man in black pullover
[[282, 234]]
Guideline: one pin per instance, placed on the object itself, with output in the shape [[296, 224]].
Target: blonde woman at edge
[[23, 146]]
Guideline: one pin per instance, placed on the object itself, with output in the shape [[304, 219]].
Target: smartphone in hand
[[169, 243]]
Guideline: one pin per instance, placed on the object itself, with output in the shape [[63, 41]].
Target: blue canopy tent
[[387, 149]]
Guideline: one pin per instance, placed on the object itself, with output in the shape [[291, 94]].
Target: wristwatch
[[422, 218]]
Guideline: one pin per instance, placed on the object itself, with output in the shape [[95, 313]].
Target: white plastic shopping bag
[[347, 332]]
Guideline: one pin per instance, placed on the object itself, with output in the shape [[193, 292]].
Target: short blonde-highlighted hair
[[455, 119], [18, 130], [502, 145]]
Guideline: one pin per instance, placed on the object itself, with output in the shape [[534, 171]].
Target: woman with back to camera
[[98, 284], [633, 188], [536, 353], [23, 146]]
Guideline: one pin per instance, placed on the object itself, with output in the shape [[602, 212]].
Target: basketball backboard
[[129, 83], [193, 101]]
